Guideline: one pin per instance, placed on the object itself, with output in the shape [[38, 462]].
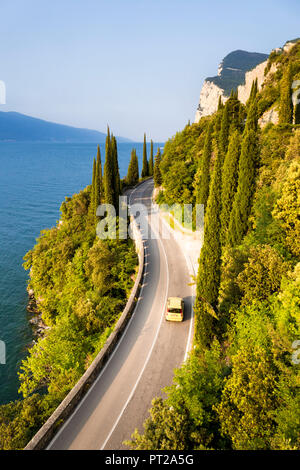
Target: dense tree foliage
[[151, 161], [81, 285], [116, 175], [203, 172], [157, 172], [108, 174], [133, 169], [242, 203], [181, 157], [229, 182], [210, 256], [286, 107], [287, 208], [240, 387], [97, 187], [187, 418], [145, 168]]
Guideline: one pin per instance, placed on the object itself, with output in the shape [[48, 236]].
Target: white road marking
[[148, 356], [192, 272], [120, 341], [107, 363]]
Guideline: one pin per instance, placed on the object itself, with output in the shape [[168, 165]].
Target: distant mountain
[[233, 67], [231, 75], [19, 127]]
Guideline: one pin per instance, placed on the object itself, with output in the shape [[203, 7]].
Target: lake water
[[34, 180]]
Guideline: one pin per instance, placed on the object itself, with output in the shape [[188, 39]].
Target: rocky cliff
[[209, 98], [257, 73], [231, 74], [238, 70]]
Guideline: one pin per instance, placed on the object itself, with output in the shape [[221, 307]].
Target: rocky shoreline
[[36, 321]]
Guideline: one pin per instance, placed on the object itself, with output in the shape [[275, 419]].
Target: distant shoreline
[[21, 127]]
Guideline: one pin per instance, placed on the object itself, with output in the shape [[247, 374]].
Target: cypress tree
[[145, 170], [136, 167], [220, 103], [203, 186], [229, 181], [92, 202], [97, 195], [205, 323], [231, 119], [129, 178], [108, 175], [94, 173], [242, 203], [224, 131], [157, 172], [133, 169], [242, 117], [217, 126], [151, 160], [99, 176], [116, 173], [253, 93], [208, 279], [235, 107], [97, 184], [286, 107], [93, 182], [252, 118]]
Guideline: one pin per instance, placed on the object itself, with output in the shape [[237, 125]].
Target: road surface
[[146, 355]]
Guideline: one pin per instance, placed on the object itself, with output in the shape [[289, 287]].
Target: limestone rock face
[[209, 99], [231, 74], [237, 71], [289, 44], [257, 73]]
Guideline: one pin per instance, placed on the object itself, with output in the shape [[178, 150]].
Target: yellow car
[[175, 309]]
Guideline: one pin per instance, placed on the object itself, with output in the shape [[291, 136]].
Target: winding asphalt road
[[146, 355]]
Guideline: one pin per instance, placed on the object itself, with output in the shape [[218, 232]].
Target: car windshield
[[175, 310]]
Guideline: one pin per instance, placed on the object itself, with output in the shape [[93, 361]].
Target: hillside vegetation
[[240, 387], [81, 284]]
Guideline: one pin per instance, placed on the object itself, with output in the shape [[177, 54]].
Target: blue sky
[[137, 65]]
